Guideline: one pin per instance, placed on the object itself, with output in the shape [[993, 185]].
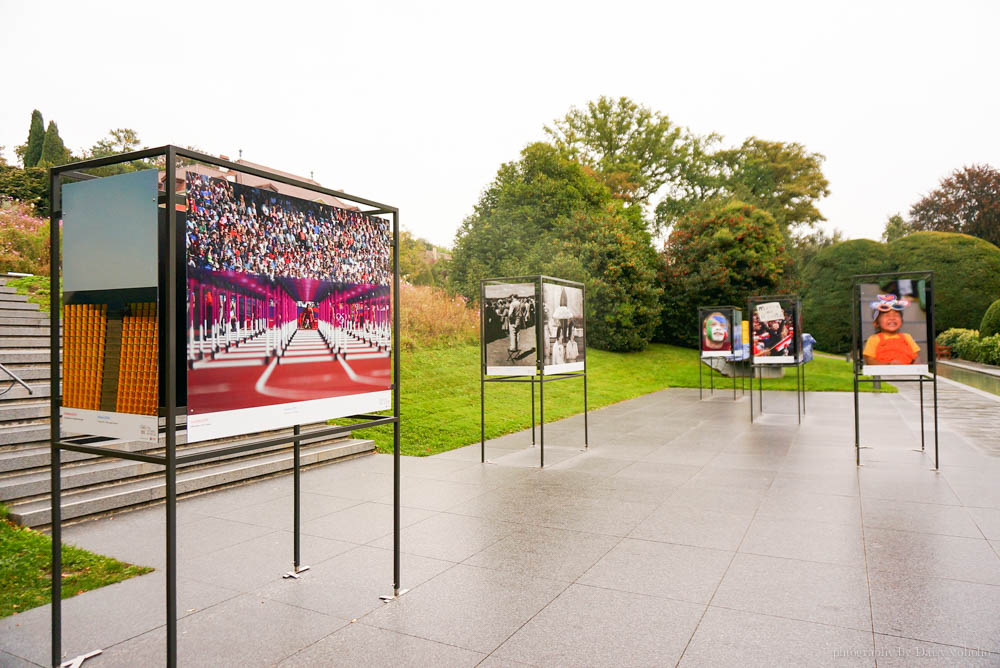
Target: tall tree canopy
[[635, 151], [32, 149], [546, 214], [54, 152], [783, 178], [896, 227], [967, 201]]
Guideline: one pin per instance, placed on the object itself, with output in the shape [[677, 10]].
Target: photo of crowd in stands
[[563, 335], [894, 328], [775, 333], [288, 310], [509, 338]]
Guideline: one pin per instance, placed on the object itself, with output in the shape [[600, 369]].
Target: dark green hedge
[[826, 294], [966, 274], [991, 320]]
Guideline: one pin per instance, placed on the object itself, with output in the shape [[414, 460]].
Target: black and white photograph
[[564, 333], [509, 337]]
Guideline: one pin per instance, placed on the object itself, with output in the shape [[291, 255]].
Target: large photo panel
[[509, 338], [718, 331], [110, 363], [775, 331], [894, 327], [288, 310], [564, 334]]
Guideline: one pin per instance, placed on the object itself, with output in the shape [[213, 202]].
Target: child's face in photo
[[890, 321]]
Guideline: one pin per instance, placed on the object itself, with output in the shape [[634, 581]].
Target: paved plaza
[[683, 536]]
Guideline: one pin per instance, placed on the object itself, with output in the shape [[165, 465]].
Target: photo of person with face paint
[[716, 332]]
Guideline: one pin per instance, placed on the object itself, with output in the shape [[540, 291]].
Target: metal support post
[[798, 396], [482, 419], [700, 392], [937, 463], [532, 413], [586, 434], [921, 413], [857, 424], [296, 507], [541, 420]]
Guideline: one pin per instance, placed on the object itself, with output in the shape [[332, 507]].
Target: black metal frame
[[799, 363], [732, 338], [538, 377], [168, 355], [858, 363]]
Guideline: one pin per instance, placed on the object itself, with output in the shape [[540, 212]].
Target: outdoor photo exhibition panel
[[288, 310], [776, 342], [206, 299], [720, 335], [521, 317], [110, 297], [564, 333], [892, 317]]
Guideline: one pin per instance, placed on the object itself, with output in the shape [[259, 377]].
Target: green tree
[[895, 228], [634, 150], [966, 274], [54, 152], [548, 214], [967, 201], [120, 140], [31, 152], [782, 178], [804, 247], [720, 253], [826, 289]]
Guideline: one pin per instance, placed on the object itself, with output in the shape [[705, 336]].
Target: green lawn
[[440, 392], [26, 569]]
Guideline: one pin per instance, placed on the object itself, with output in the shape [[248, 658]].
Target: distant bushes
[[826, 294], [991, 320], [968, 344], [966, 273], [24, 239]]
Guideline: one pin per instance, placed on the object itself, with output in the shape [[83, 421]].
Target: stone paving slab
[[683, 535]]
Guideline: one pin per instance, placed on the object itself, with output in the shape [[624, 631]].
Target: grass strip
[[440, 392], [26, 568]]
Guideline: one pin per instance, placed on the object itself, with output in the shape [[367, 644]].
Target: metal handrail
[[15, 379]]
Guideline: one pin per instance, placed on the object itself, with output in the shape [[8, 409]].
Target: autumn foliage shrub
[[429, 317]]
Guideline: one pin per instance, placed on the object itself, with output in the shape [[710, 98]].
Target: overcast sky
[[418, 104]]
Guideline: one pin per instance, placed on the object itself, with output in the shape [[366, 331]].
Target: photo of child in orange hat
[[888, 345]]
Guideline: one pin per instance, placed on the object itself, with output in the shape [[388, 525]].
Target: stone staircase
[[94, 485]]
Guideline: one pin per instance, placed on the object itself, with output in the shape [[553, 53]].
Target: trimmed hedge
[[991, 320], [967, 344], [966, 273], [826, 295]]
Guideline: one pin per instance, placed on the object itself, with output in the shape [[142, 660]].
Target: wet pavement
[[683, 536]]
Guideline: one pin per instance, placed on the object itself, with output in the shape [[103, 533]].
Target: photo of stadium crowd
[[288, 303]]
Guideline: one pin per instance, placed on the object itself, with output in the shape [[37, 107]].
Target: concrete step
[[24, 434], [27, 373], [38, 390], [17, 305], [23, 410], [36, 482], [24, 356], [93, 500], [7, 290], [30, 330], [24, 341], [12, 297], [29, 319], [27, 456]]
